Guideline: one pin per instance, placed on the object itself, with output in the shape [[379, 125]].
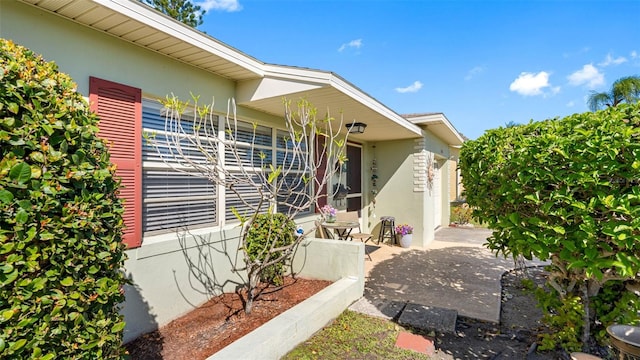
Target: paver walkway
[[455, 272]]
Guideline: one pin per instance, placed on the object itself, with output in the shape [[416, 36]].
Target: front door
[[354, 177]]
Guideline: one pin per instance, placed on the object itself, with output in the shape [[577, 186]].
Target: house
[[442, 145], [454, 140], [124, 56]]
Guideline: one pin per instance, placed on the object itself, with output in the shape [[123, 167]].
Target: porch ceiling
[[327, 92], [137, 23]]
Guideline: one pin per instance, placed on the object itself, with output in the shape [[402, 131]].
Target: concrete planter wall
[[168, 284], [329, 259], [283, 333]]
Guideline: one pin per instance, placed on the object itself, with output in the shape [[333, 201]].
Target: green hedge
[[266, 232], [565, 190], [61, 253]]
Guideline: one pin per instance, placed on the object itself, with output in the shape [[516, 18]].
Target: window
[[172, 195], [295, 190], [162, 192], [178, 198], [253, 156]]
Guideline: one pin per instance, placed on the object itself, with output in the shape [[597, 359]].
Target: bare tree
[[290, 181]]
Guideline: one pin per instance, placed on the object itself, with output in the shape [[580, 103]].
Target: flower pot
[[330, 219], [405, 240]]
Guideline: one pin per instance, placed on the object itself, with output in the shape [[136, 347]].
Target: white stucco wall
[[396, 196], [441, 152], [455, 177], [173, 277], [404, 192]]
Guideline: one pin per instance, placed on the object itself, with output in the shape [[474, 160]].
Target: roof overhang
[[259, 86], [139, 24], [328, 93], [439, 125]]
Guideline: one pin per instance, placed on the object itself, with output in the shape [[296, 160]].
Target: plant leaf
[[20, 172]]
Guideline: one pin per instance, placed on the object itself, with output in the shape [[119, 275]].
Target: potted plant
[[329, 213], [405, 231]]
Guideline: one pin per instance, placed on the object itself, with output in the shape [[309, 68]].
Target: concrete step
[[429, 318]]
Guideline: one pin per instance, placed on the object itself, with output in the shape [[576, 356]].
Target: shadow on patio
[[455, 272]]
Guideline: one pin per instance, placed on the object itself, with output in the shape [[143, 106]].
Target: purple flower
[[328, 210], [404, 229]]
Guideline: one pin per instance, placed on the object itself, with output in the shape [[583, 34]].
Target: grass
[[354, 336]]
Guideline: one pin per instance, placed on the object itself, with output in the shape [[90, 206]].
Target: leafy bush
[[563, 315], [268, 232], [461, 214], [568, 191], [615, 305], [60, 219]]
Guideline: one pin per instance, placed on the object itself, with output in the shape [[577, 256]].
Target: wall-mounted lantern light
[[356, 128]]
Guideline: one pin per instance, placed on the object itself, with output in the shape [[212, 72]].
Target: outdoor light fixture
[[356, 128]]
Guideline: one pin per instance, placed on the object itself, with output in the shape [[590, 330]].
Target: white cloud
[[634, 54], [589, 75], [530, 84], [221, 5], [357, 43], [473, 72], [571, 103], [609, 60], [417, 85]]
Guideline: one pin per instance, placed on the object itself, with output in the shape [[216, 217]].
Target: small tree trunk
[[586, 318], [253, 284]]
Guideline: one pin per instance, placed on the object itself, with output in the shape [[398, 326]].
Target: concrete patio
[[454, 273]]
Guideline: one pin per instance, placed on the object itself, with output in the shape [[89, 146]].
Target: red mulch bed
[[219, 322]]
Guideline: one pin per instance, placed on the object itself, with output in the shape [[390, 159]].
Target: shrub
[[615, 305], [60, 219], [461, 214], [268, 232], [563, 316], [565, 190]]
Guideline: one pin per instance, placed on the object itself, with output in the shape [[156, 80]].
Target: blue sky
[[482, 63]]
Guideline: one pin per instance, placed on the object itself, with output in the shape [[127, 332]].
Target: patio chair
[[364, 237], [320, 230]]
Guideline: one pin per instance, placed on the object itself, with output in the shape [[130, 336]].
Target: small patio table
[[342, 228]]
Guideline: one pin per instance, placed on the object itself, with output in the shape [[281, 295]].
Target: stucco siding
[[442, 154], [455, 188], [172, 278], [405, 188], [435, 145], [396, 195]]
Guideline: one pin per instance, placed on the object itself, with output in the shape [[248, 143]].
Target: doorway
[[354, 177]]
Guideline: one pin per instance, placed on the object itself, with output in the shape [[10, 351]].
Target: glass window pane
[[248, 200], [171, 198], [293, 195], [244, 133]]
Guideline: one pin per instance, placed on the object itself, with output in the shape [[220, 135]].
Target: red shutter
[[120, 110]]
